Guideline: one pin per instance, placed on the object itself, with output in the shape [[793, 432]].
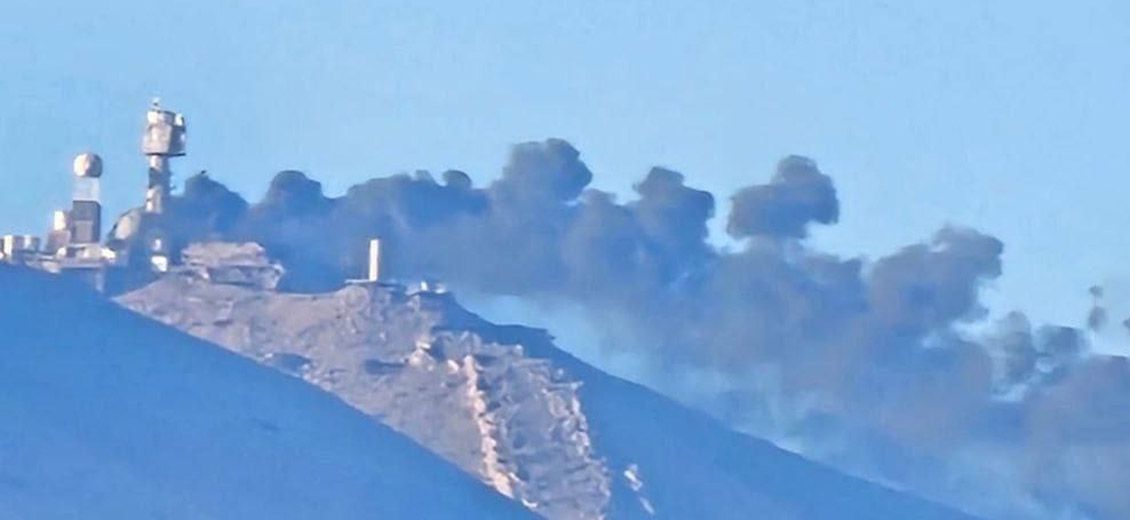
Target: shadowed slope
[[105, 414], [506, 405]]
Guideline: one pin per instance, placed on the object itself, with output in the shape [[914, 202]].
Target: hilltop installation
[[140, 246], [74, 245]]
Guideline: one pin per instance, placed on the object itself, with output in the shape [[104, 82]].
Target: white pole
[[374, 260]]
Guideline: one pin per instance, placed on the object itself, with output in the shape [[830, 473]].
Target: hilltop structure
[[74, 246], [141, 244]]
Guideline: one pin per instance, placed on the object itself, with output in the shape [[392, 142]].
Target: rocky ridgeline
[[463, 388], [503, 403]]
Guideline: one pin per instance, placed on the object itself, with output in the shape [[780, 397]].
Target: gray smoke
[[797, 195], [866, 365]]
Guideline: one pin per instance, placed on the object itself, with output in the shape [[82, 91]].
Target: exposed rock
[[514, 421], [244, 264], [504, 404]]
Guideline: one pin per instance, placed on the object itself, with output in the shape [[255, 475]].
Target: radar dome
[[88, 165]]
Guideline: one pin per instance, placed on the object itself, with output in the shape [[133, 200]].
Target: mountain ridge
[[499, 401], [109, 414]]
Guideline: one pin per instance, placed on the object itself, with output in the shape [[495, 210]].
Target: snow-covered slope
[[506, 405], [105, 414]]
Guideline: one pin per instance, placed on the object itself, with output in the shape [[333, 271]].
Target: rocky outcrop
[[420, 364], [243, 264], [504, 404]]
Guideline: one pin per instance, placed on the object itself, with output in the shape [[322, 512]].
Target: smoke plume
[[864, 364]]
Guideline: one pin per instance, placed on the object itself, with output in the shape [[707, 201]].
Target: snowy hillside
[[105, 414], [506, 405]]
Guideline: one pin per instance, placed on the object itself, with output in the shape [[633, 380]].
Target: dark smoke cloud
[[207, 207], [796, 196], [865, 364], [542, 173], [1077, 449], [928, 286], [293, 195]]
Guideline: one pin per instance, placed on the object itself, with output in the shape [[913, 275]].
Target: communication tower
[[165, 136]]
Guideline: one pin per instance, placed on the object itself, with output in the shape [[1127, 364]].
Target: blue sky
[[1007, 116]]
